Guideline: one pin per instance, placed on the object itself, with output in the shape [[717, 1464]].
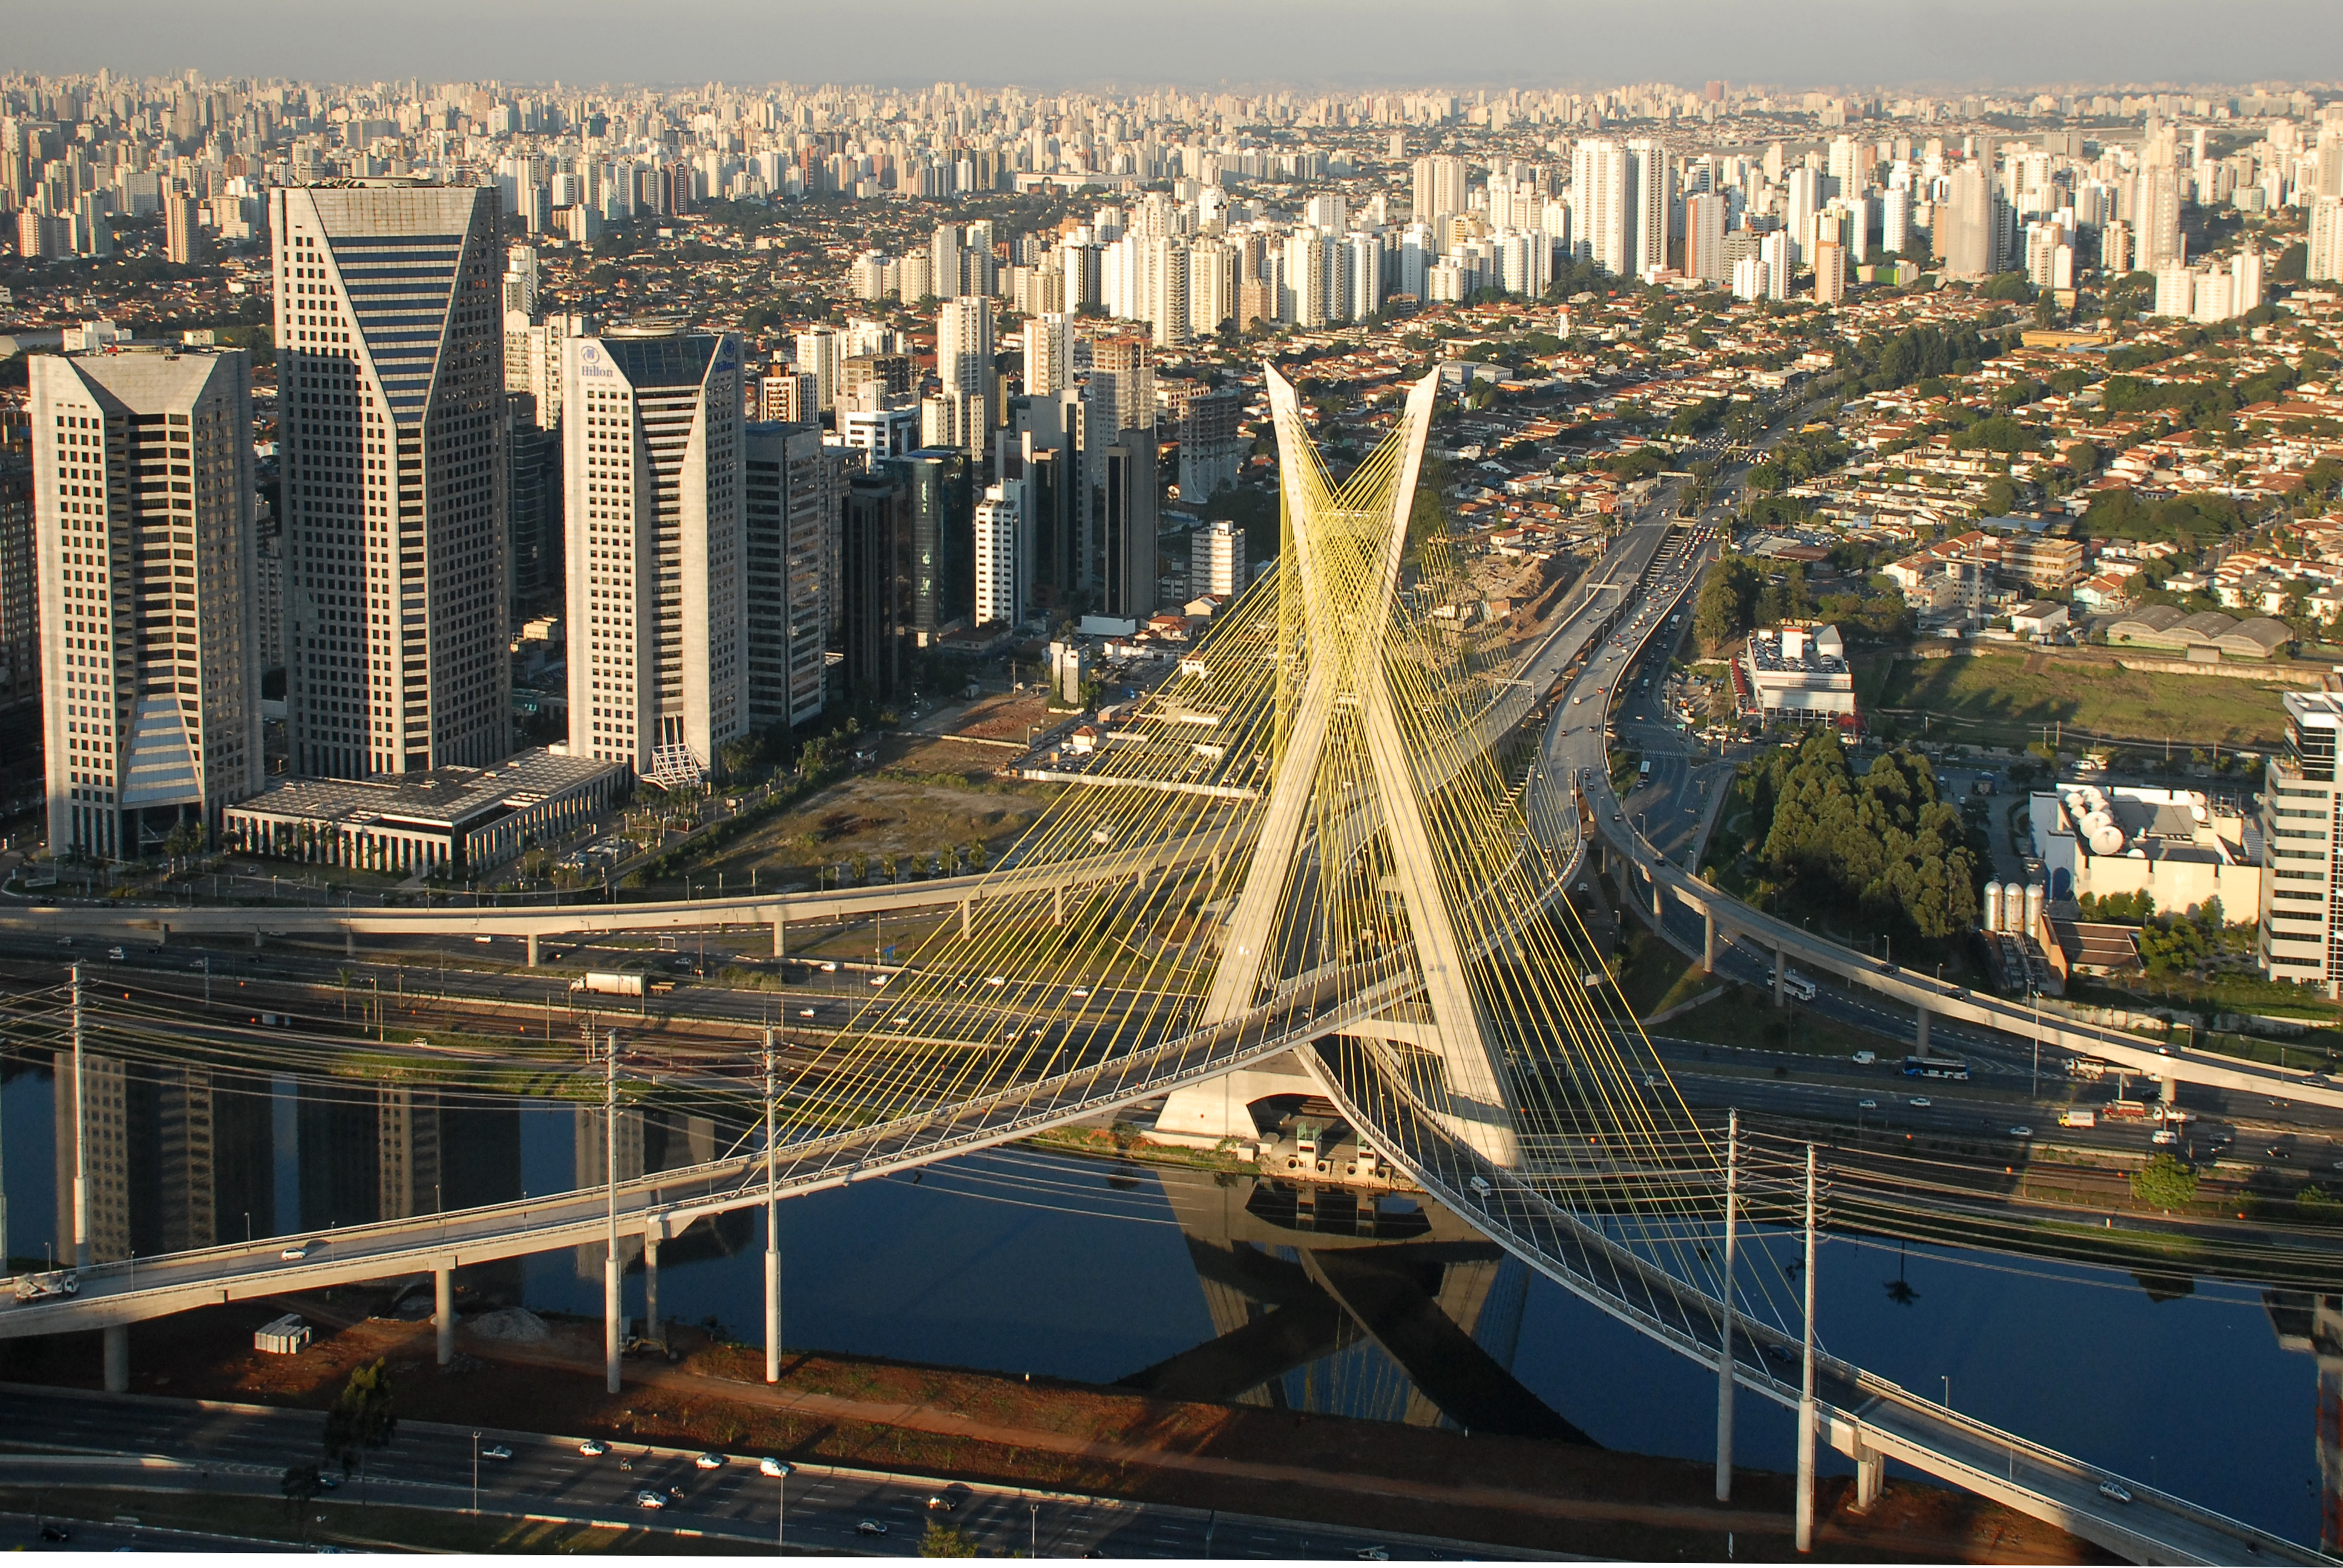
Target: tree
[[2164, 1183], [947, 1541], [362, 1419], [301, 1484], [1727, 606]]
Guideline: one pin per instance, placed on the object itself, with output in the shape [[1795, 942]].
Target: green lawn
[[1996, 698]]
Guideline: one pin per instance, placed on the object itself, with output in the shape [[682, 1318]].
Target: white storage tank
[[1993, 906], [2034, 894]]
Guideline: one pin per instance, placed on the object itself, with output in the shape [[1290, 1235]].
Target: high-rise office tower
[[183, 238], [1049, 354], [2326, 259], [652, 453], [391, 364], [20, 596], [945, 261], [150, 678], [1127, 522], [794, 487], [1804, 201], [532, 505], [1830, 273], [938, 511], [964, 360], [872, 601]]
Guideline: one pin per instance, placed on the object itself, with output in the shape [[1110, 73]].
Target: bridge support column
[[1781, 969], [118, 1359], [1870, 1474], [1920, 1031], [1659, 916], [780, 936], [256, 936], [532, 949], [350, 944], [1058, 904], [964, 905], [613, 1325], [443, 1309], [654, 1328], [1708, 939]]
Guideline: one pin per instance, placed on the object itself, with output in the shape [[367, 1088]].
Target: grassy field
[[2005, 699]]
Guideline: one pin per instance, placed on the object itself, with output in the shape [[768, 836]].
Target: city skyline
[[1805, 44]]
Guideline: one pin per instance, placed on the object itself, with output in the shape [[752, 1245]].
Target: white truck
[[604, 983]]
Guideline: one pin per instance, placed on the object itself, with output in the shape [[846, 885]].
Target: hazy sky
[[1929, 43]]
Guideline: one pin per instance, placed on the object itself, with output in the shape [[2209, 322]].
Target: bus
[[1935, 1067]]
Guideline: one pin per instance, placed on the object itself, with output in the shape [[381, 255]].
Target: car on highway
[[41, 1287], [939, 1503], [500, 1451], [1480, 1185], [1859, 1105], [299, 1250], [2113, 1491], [2163, 1138], [1919, 1102], [594, 1447], [769, 1465], [2020, 1131], [714, 1461], [647, 1497], [870, 1527], [808, 1012]]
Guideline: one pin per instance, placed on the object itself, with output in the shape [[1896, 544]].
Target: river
[[1020, 1260]]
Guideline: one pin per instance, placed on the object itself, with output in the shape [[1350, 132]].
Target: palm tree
[[1899, 1291]]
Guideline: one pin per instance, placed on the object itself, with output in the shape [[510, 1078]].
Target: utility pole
[[610, 1260], [81, 1142], [1805, 1524], [1724, 1353], [773, 1231]]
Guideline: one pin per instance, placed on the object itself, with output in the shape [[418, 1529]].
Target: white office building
[[2301, 833], [1216, 560], [964, 365], [145, 558], [652, 457], [390, 365], [1049, 354]]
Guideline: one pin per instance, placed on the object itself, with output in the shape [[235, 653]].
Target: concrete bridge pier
[[1058, 904], [1920, 1031], [654, 1327], [1781, 970], [1708, 939], [443, 1309], [964, 905], [531, 940], [256, 936], [613, 1325], [1659, 916], [772, 1303], [780, 936], [1870, 1474], [118, 1359], [350, 944]]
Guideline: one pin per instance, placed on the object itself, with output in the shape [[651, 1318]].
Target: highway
[[246, 1449]]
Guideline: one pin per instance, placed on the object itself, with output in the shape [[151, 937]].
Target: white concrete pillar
[[654, 1329], [965, 904], [1920, 1031], [1870, 1475], [1781, 968], [442, 1304], [118, 1359], [532, 949], [1708, 939], [780, 936]]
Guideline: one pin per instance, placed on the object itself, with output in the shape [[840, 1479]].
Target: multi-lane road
[[85, 1439]]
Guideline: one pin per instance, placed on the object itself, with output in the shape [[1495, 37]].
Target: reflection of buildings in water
[[1371, 1304], [175, 1156], [392, 1151], [651, 1138], [2314, 1325]]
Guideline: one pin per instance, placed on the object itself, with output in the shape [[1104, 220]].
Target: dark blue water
[[1021, 1261]]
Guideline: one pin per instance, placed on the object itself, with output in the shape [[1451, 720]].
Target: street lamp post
[[2035, 1091], [475, 1472], [1033, 1512]]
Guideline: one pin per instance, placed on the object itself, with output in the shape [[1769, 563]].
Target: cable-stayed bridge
[[1326, 838]]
